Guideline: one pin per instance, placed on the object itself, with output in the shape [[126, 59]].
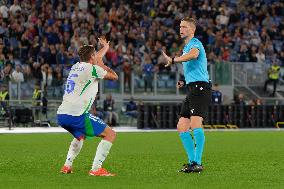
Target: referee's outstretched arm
[[192, 54]]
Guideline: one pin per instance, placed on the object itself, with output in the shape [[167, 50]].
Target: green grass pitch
[[145, 160]]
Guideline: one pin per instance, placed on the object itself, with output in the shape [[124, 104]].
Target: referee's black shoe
[[192, 168], [187, 168], [196, 168]]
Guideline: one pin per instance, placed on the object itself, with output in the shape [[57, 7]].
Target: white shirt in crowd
[[15, 8], [18, 76], [260, 57], [83, 4], [4, 11]]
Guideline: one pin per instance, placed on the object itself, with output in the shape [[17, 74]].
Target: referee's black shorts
[[197, 101]]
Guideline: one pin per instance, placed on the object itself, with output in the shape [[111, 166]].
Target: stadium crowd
[[39, 39]]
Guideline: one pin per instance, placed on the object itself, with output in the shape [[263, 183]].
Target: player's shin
[[74, 149], [101, 154], [188, 145], [199, 138]]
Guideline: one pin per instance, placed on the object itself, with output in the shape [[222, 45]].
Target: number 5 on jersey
[[70, 84]]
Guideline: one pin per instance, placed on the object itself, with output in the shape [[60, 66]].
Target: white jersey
[[81, 88]]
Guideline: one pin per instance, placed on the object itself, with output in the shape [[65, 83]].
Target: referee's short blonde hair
[[190, 20]]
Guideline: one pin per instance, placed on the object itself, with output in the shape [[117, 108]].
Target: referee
[[195, 106]]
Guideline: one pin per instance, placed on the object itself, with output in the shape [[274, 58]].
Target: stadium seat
[[23, 116], [161, 84]]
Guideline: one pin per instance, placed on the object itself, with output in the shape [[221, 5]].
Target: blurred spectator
[[131, 108], [4, 100], [137, 72], [255, 102], [44, 74], [126, 68], [260, 56], [273, 77], [15, 8], [36, 70], [5, 74], [258, 101], [2, 61], [36, 100], [111, 116], [51, 55], [33, 50], [148, 72], [216, 95], [61, 55], [239, 100], [57, 81], [4, 11], [27, 73], [4, 94], [49, 77], [244, 55], [11, 60], [222, 19], [17, 74], [44, 102]]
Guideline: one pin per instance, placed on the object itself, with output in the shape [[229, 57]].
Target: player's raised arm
[[110, 75], [102, 41]]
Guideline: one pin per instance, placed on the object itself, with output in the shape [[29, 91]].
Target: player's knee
[[183, 124], [181, 127], [196, 122], [113, 134], [110, 135], [194, 126]]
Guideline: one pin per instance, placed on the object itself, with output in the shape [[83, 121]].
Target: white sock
[[101, 154], [74, 150]]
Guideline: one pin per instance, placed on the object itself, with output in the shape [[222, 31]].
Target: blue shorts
[[83, 126]]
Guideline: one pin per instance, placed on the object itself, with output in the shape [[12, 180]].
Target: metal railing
[[161, 85], [166, 115], [35, 115]]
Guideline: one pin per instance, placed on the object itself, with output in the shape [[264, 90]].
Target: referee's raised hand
[[169, 60]]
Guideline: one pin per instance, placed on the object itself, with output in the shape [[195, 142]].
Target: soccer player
[[80, 91], [195, 107]]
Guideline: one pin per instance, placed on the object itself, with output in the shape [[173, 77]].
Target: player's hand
[[102, 41], [180, 84], [169, 60]]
